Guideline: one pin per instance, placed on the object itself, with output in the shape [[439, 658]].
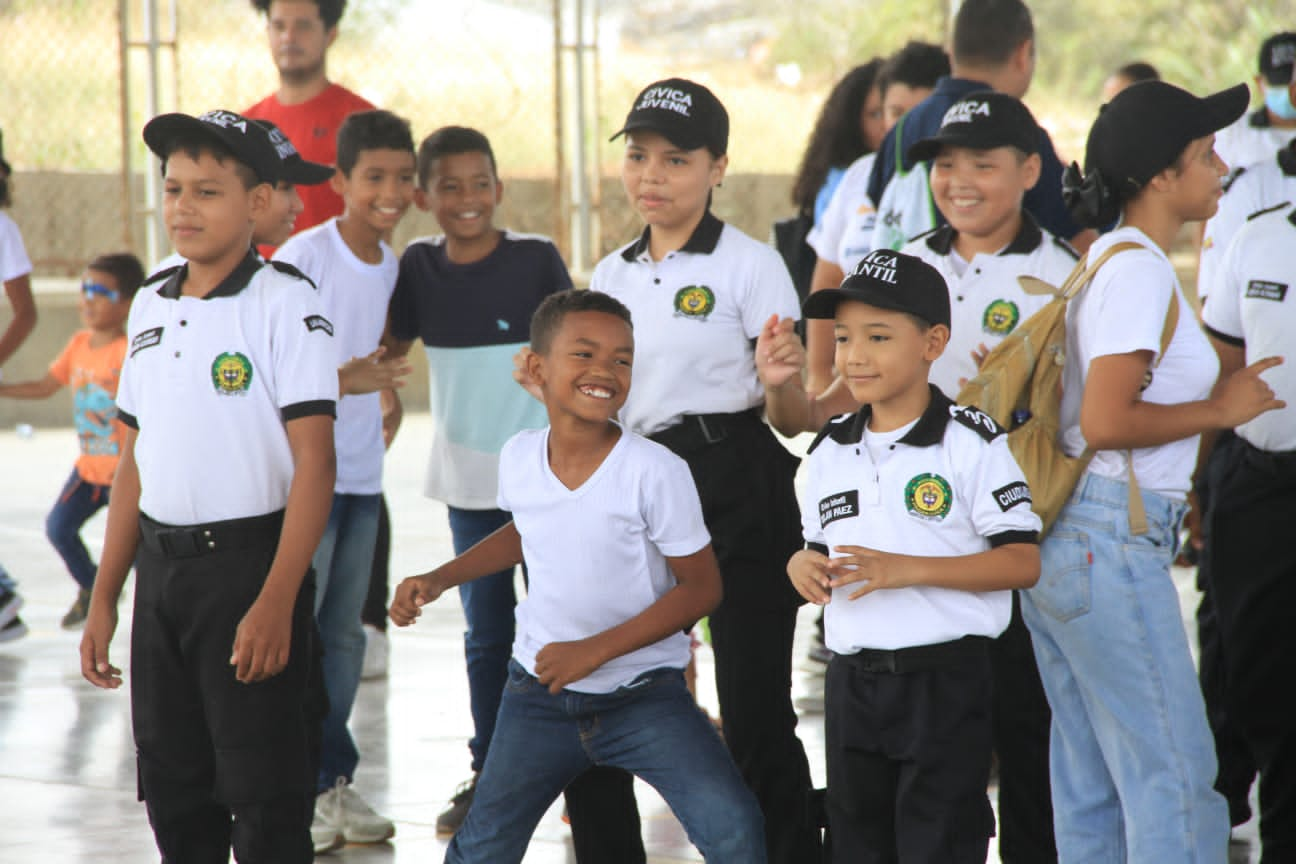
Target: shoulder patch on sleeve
[[1232, 178], [161, 275], [318, 322], [1008, 497], [289, 270], [1067, 248], [977, 420], [1257, 214]]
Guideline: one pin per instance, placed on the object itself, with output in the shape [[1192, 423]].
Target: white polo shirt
[[844, 233], [696, 314], [1250, 139], [1254, 307], [1122, 311], [210, 382], [355, 296], [946, 485], [986, 301], [1267, 183], [13, 254], [596, 555]]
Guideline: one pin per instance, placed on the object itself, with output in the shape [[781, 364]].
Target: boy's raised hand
[[100, 625], [522, 376], [372, 373], [1244, 395], [809, 572], [875, 569], [779, 352], [412, 594]]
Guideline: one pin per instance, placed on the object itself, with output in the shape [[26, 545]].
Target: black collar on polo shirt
[[928, 431], [1029, 236], [1259, 119], [231, 285], [1287, 159], [703, 240]]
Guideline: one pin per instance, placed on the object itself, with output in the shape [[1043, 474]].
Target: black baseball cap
[[982, 120], [295, 169], [249, 142], [1145, 127], [1278, 59], [686, 113], [888, 280]]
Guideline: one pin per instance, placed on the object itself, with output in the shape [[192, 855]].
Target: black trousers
[[744, 478], [1252, 568], [374, 611], [1237, 769], [1021, 738], [908, 737], [220, 763]]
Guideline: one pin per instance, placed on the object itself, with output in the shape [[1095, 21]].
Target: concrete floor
[[67, 774]]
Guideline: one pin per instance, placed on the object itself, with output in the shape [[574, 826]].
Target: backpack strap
[[1084, 272], [1137, 514]]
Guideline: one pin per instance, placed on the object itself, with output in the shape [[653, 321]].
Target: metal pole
[[596, 141], [561, 229], [123, 119], [153, 243], [580, 171]]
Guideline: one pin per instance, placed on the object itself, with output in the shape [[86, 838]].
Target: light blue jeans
[[343, 563], [1131, 756], [651, 727]]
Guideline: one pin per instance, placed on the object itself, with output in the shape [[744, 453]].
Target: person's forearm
[[676, 610], [788, 407], [500, 550], [1148, 424], [1013, 565], [18, 291], [121, 536], [820, 342], [41, 388], [310, 497]]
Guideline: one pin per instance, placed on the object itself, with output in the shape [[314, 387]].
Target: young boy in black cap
[[228, 394], [918, 525]]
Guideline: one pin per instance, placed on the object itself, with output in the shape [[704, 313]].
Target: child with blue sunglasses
[[90, 366]]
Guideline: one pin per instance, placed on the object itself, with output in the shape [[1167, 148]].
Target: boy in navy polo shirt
[[621, 565], [469, 294], [918, 524], [228, 394]]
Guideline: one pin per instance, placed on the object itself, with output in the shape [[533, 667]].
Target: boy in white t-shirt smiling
[[597, 671]]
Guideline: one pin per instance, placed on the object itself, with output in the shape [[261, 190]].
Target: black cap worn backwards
[[1145, 127], [982, 120], [888, 280], [1278, 59], [687, 114], [249, 142], [295, 169]]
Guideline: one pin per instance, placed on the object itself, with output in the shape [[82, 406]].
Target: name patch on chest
[[842, 505], [318, 322], [145, 339], [1008, 497], [1261, 290]]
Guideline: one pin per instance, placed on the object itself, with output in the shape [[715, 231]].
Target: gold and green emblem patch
[[694, 301], [928, 496], [231, 374], [1000, 317]]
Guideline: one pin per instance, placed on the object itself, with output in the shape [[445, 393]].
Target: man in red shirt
[[307, 107]]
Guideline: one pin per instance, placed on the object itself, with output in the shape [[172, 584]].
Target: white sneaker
[[375, 656], [326, 827], [360, 824]]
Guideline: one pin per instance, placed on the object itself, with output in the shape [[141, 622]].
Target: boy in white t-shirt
[[620, 566], [355, 271]]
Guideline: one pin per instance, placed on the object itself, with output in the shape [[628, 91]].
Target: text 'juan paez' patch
[[1011, 495], [842, 505], [1266, 290]]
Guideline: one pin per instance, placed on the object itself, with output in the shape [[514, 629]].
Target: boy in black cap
[[918, 524], [228, 394], [1269, 128]]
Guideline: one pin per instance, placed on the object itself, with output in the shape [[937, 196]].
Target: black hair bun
[[1089, 198]]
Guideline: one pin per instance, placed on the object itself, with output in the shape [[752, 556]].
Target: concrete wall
[[67, 219]]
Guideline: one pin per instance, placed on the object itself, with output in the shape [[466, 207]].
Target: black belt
[[920, 658], [191, 541], [695, 431]]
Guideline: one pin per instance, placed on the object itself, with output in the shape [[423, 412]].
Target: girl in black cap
[[1132, 758], [699, 291]]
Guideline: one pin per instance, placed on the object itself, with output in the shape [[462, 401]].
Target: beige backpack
[[1019, 385]]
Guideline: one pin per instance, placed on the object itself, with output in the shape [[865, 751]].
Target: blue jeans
[[488, 642], [343, 563], [1131, 755], [650, 727], [77, 502]]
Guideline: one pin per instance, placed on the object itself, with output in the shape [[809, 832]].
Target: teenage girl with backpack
[[1132, 758]]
